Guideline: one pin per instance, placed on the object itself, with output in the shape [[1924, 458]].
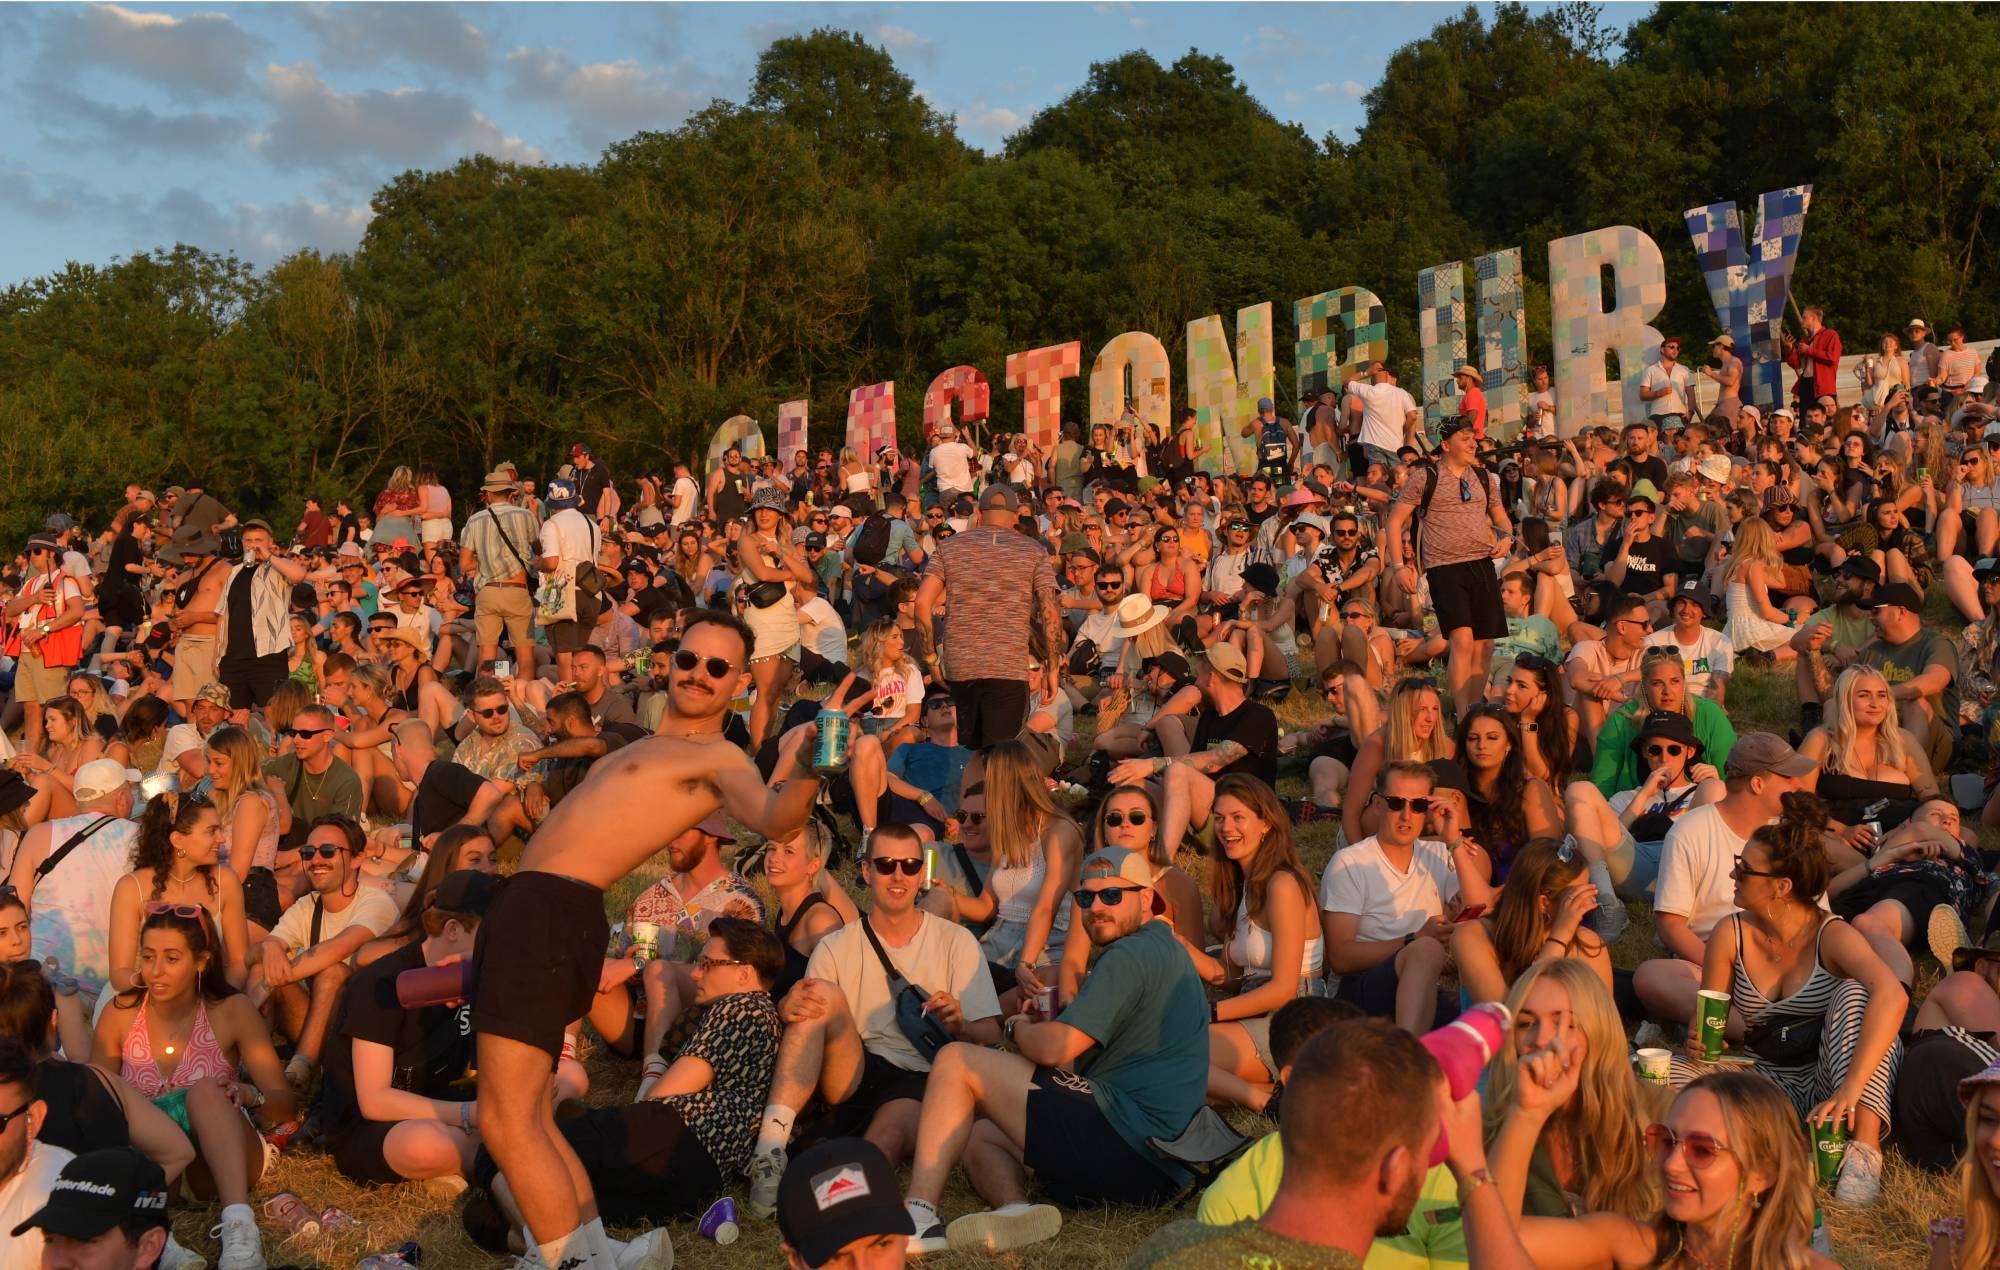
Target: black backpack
[[1430, 488], [873, 541]]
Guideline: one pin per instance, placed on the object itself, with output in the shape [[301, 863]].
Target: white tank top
[[1251, 947], [1015, 891]]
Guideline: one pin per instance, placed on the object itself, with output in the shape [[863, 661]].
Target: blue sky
[[263, 128]]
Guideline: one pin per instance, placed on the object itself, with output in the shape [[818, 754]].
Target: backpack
[[1430, 489], [873, 541]]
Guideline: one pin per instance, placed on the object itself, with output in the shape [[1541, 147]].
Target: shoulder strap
[[895, 976], [512, 550], [319, 915], [965, 863], [57, 856]]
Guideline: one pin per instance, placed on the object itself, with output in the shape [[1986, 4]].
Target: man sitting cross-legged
[[842, 1042], [1076, 1104]]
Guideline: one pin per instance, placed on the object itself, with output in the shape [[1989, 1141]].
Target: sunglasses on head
[[910, 865], [715, 667], [1109, 896], [192, 912], [322, 851], [1119, 819], [1396, 802], [1701, 1149]]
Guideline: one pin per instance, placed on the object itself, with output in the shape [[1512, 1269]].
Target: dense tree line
[[832, 230]]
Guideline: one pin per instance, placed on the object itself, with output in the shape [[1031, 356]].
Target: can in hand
[[645, 941], [830, 743], [931, 863], [1714, 1015], [1045, 1003], [1829, 1144]]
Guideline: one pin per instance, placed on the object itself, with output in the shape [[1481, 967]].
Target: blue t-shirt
[[1144, 1006], [931, 767]]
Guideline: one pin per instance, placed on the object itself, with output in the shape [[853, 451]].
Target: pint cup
[[434, 985], [645, 941], [1656, 1066], [1714, 1016], [719, 1222]]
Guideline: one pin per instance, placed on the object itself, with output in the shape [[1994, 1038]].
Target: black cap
[[97, 1191], [1453, 426], [836, 1193], [1262, 578], [1691, 588], [466, 891], [1860, 566], [815, 542], [1968, 957], [1670, 724], [1172, 662], [1112, 506], [1447, 774], [1986, 568], [1900, 594]]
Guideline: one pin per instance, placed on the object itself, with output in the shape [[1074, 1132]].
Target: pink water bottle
[[1462, 1048]]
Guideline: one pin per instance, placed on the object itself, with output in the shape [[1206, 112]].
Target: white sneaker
[[930, 1234], [1001, 1229], [1946, 934], [175, 1257], [767, 1169], [242, 1245], [1860, 1181], [653, 1250]]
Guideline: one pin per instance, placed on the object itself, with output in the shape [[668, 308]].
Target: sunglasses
[[322, 851], [1356, 616], [191, 912], [1344, 533], [1637, 512], [1740, 870], [1109, 896], [494, 713], [1109, 586], [910, 866], [9, 1117], [1699, 1148], [1119, 819], [1395, 802], [707, 964], [1665, 751], [972, 817], [716, 667]]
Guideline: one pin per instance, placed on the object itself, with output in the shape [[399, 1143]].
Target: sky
[[264, 128]]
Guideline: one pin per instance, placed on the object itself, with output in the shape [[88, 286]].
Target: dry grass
[[1886, 1237]]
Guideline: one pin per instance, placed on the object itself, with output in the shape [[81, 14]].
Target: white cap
[[99, 777], [1976, 385]]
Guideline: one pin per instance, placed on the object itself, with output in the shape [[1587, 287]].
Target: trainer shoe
[[930, 1236], [1860, 1176], [1947, 934], [653, 1250], [766, 1170], [242, 1246], [175, 1257], [1001, 1229]]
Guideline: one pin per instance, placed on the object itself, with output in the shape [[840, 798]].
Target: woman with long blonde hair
[[251, 821], [1972, 1241], [1412, 728], [1588, 1142], [1037, 857], [1756, 623], [1866, 757], [1737, 1175]]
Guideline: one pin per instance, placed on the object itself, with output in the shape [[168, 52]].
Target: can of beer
[[1714, 1015], [645, 941], [931, 865], [1829, 1144], [1045, 1003], [830, 747]]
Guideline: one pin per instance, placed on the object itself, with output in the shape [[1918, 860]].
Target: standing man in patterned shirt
[[1001, 588], [1460, 526], [495, 547]]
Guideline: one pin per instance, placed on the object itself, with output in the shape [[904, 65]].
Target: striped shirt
[[995, 581], [483, 534], [1456, 527]]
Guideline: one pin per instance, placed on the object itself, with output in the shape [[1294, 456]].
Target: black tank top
[[795, 961], [84, 1115], [242, 630], [1848, 798], [729, 501]]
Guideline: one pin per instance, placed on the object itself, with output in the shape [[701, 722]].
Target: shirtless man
[[199, 590], [541, 946]]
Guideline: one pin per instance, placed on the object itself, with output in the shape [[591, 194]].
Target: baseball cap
[[1918, 323], [58, 522], [98, 1191], [815, 541], [717, 826], [999, 498], [1691, 588], [1860, 566], [1762, 753], [101, 776], [1265, 403], [1900, 594], [1227, 660], [1117, 862], [465, 891], [836, 1193]]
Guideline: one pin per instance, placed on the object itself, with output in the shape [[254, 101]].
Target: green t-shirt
[[336, 791], [1193, 1245], [1849, 633], [1900, 663], [1615, 767], [1434, 1239], [1689, 548], [1145, 1008]]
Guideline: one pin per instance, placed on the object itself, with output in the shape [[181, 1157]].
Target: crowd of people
[[311, 834]]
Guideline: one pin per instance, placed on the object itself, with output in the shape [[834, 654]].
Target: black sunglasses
[[910, 866], [1110, 896], [323, 852], [1665, 751], [717, 667], [1119, 819], [972, 817], [495, 712], [1742, 870], [306, 734], [1396, 802], [9, 1117]]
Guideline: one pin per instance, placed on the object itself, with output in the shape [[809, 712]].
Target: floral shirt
[[683, 919], [497, 758]]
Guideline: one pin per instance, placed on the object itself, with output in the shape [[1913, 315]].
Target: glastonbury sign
[[1341, 331]]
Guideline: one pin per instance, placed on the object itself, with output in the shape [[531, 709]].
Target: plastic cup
[[1656, 1066], [1462, 1048], [1714, 1015], [1829, 1143], [645, 941], [719, 1222]]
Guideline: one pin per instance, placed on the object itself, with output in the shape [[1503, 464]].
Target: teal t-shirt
[[1143, 1005], [1531, 634]]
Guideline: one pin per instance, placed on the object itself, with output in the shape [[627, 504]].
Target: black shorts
[[357, 1153], [989, 710], [251, 680], [882, 1082], [1373, 992], [537, 960], [894, 809], [1075, 1154], [1467, 595], [642, 1160], [1927, 1122], [567, 637], [1918, 894]]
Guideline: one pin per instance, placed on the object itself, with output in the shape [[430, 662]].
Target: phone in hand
[[1470, 912]]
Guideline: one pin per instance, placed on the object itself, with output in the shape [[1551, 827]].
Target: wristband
[[465, 1117], [1471, 1182]]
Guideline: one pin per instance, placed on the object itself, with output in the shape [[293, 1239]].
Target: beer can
[[645, 941], [1714, 1016], [1829, 1144], [931, 866], [1045, 1003], [830, 747]]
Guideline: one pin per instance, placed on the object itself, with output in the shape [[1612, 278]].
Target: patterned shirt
[[487, 534], [496, 758], [738, 1038], [987, 573], [1456, 526], [683, 921]]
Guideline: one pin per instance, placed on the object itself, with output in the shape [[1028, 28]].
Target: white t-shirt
[[952, 462], [371, 908], [1679, 400], [942, 957], [1383, 409], [1709, 656], [685, 497], [896, 690], [569, 537], [1694, 880], [182, 738], [1101, 629], [21, 1197], [1391, 904], [821, 629]]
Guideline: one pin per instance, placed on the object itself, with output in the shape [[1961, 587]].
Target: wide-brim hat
[[770, 497], [1137, 614], [498, 481]]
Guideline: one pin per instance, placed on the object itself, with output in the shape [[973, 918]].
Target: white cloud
[[902, 41], [199, 54], [995, 120], [317, 126], [365, 34], [72, 117], [604, 100]]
